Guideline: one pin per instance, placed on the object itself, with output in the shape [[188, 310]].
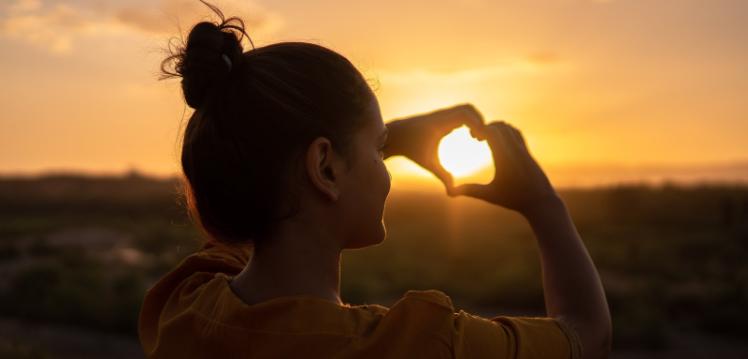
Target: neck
[[290, 265]]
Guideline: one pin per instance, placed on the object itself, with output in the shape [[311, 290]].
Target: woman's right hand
[[519, 183], [572, 288]]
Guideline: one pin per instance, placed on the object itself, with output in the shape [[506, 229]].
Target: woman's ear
[[322, 167]]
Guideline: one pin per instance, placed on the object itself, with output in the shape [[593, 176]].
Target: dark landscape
[[77, 254]]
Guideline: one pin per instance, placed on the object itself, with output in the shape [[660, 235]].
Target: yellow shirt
[[193, 313]]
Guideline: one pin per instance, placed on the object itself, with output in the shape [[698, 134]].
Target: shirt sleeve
[[506, 337]]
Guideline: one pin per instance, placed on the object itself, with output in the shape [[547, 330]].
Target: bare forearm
[[572, 287]]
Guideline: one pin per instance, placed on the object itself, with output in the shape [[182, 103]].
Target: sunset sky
[[596, 86]]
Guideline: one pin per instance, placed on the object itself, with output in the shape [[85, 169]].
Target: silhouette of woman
[[283, 160]]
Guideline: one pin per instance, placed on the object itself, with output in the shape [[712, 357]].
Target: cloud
[[48, 27], [163, 19], [543, 58], [530, 64], [25, 5], [56, 26]]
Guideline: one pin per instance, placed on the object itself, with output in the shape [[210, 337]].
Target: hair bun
[[201, 62], [202, 65]]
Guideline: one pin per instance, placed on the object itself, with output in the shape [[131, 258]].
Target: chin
[[373, 237]]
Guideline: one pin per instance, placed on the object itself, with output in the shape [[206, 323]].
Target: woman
[[283, 160]]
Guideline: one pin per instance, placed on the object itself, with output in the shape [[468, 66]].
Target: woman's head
[[277, 130]]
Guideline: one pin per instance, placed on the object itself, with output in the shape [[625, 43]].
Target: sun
[[462, 155]]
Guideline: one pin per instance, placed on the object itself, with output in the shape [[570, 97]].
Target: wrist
[[548, 205]]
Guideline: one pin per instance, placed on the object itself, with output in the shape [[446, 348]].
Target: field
[[77, 254]]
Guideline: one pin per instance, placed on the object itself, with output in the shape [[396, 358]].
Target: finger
[[510, 133], [478, 134], [470, 190], [500, 143], [464, 114], [472, 117], [505, 130], [444, 176], [511, 155], [517, 136], [475, 123]]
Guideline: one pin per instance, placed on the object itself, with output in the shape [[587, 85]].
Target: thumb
[[470, 190], [444, 176]]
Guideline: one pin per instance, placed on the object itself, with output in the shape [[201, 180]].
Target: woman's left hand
[[417, 137]]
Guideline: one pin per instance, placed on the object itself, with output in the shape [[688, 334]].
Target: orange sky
[[619, 88]]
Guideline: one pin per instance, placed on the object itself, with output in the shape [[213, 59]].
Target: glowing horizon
[[592, 84]]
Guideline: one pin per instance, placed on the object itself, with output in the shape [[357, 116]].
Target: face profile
[[367, 185]]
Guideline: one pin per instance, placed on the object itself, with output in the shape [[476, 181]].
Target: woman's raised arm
[[572, 288]]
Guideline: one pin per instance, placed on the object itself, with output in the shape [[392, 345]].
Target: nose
[[389, 179]]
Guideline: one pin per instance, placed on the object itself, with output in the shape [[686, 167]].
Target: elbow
[[605, 344], [600, 343], [596, 337]]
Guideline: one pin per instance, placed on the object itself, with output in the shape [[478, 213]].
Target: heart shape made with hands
[[466, 158]]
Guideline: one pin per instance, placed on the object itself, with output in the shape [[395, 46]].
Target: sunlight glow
[[462, 155]]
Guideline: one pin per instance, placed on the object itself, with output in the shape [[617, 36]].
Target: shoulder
[[199, 268], [431, 297], [421, 314], [430, 308], [176, 291]]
